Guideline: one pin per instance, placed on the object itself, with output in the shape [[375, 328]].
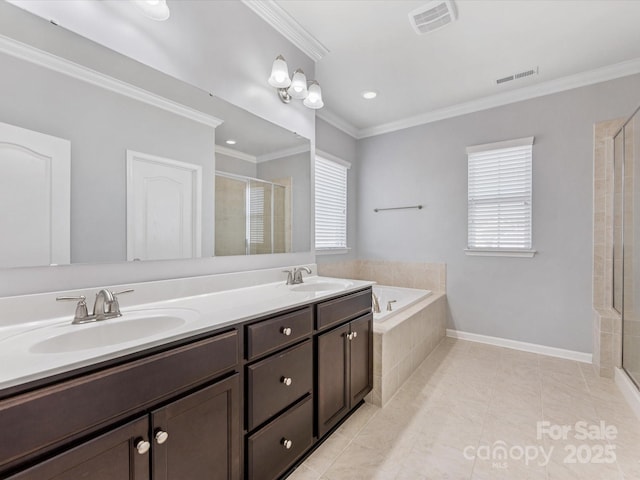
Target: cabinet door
[[112, 456], [333, 378], [361, 361], [202, 440]]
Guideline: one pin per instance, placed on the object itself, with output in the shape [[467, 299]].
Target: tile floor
[[470, 402]]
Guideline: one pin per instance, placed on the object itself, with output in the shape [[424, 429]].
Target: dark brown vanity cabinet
[[344, 358], [186, 423], [271, 388], [279, 393]]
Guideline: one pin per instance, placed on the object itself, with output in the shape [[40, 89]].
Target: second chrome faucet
[[294, 277]]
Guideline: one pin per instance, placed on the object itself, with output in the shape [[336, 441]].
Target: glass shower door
[[627, 149]]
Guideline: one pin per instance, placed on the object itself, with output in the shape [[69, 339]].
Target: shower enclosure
[[626, 241], [253, 216]]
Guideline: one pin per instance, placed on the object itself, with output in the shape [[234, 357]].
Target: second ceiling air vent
[[516, 76], [432, 16]]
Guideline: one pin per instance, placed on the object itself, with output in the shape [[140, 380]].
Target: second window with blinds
[[331, 204], [499, 198]]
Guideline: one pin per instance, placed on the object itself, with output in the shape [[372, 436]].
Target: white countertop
[[21, 363]]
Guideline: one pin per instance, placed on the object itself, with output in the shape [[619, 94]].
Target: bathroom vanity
[[247, 399]]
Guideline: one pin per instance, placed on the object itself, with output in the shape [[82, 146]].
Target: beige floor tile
[[303, 473], [357, 420], [326, 454], [464, 396]]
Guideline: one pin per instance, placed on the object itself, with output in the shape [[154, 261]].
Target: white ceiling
[[372, 46]]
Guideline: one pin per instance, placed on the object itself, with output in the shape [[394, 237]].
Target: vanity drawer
[[35, 422], [267, 454], [342, 309], [271, 335], [268, 392]]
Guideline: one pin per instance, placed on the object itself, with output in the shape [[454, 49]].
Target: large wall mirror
[[131, 164]]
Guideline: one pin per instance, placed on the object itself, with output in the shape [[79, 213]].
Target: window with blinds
[[499, 197], [331, 203]]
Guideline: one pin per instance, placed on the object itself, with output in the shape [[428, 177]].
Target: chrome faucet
[[297, 274], [294, 277], [106, 306], [376, 303]]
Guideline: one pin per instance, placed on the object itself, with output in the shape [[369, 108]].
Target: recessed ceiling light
[[369, 94], [230, 142]]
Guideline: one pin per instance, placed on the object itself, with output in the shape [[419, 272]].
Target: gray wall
[[331, 140], [225, 163], [544, 300]]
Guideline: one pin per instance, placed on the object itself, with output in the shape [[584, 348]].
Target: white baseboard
[[524, 346], [628, 389]]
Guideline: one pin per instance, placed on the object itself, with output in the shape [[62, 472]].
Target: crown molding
[[610, 72], [61, 65], [287, 152], [287, 26], [338, 122], [230, 152]]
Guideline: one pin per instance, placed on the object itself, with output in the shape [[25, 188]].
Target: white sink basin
[[133, 325], [322, 286]]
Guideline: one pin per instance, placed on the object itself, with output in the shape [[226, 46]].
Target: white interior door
[[164, 202], [35, 198]]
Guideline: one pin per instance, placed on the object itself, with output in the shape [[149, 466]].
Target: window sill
[[332, 251], [493, 252]]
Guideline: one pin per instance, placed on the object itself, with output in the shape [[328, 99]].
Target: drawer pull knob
[[354, 334], [286, 331], [349, 336], [287, 381], [161, 436], [286, 443], [142, 446]]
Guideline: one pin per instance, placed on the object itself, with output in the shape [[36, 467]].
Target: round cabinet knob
[[161, 437], [142, 446], [286, 443], [286, 331], [287, 381], [349, 336], [354, 334]]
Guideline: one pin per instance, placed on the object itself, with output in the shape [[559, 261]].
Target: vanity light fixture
[[296, 87], [154, 9]]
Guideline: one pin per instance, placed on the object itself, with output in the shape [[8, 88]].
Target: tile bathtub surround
[[428, 276], [473, 398], [401, 343]]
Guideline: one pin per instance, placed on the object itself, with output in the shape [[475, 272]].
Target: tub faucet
[[389, 309], [375, 302]]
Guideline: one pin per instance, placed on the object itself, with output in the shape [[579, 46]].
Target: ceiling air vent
[[432, 16], [516, 76]]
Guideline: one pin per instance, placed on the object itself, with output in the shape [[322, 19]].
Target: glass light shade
[[154, 9], [314, 98], [298, 88], [279, 73]]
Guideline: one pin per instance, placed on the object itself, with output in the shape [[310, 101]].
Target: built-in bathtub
[[403, 337], [400, 298]]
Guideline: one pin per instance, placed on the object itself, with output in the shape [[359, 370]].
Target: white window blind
[[499, 196], [256, 214], [331, 204]]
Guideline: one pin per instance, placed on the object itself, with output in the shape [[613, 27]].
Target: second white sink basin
[[133, 325], [322, 286]]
